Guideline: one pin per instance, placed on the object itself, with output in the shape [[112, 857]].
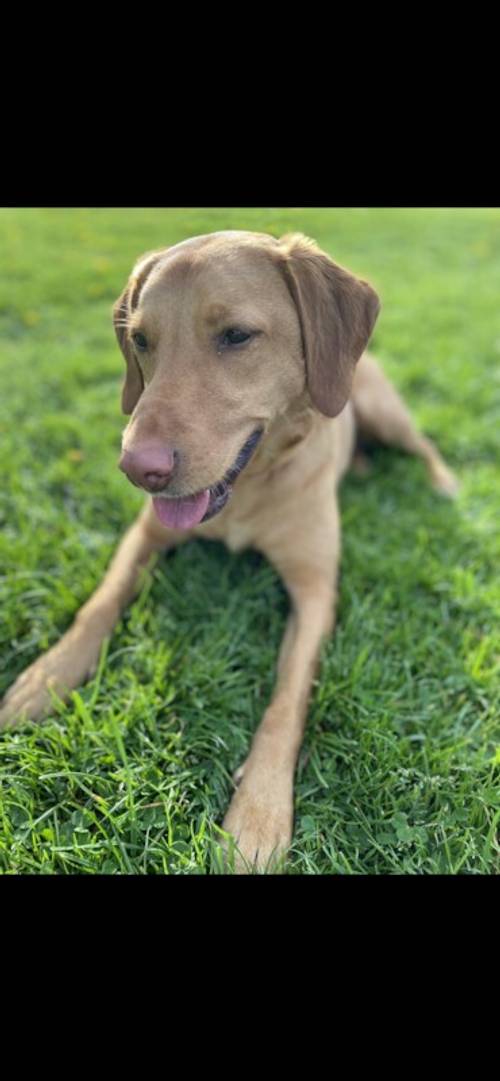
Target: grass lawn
[[400, 767]]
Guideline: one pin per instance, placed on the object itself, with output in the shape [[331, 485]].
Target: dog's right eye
[[233, 337], [140, 341]]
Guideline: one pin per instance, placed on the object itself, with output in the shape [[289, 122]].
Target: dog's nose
[[149, 467]]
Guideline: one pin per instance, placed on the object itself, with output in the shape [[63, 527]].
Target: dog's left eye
[[140, 341], [234, 336]]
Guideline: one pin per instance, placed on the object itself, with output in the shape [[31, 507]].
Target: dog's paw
[[259, 820], [64, 667], [443, 480]]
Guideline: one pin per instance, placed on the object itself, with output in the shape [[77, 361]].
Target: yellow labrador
[[246, 379]]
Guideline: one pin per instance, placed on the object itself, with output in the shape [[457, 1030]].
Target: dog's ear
[[337, 314], [122, 310]]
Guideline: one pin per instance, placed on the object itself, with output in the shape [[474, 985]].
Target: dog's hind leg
[[75, 656], [381, 414]]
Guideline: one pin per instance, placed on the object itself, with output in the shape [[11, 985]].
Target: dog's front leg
[[75, 656], [260, 815]]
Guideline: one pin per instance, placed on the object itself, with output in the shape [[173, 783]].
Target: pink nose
[[149, 467]]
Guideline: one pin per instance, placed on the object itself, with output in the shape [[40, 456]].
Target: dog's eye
[[140, 341], [234, 336]]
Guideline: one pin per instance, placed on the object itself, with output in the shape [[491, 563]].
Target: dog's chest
[[237, 536], [255, 498], [236, 525]]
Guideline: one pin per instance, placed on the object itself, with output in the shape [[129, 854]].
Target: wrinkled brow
[[216, 315]]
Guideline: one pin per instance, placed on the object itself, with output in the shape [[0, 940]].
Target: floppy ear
[[122, 310], [337, 314]]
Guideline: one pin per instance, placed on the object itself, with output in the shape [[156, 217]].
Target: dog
[[247, 378]]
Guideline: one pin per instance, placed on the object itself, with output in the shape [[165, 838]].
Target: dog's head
[[221, 334]]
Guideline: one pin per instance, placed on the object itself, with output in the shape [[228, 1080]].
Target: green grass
[[399, 770]]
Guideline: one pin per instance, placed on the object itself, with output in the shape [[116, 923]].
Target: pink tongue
[[182, 513]]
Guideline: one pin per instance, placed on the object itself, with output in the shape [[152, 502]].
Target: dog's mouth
[[194, 509]]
